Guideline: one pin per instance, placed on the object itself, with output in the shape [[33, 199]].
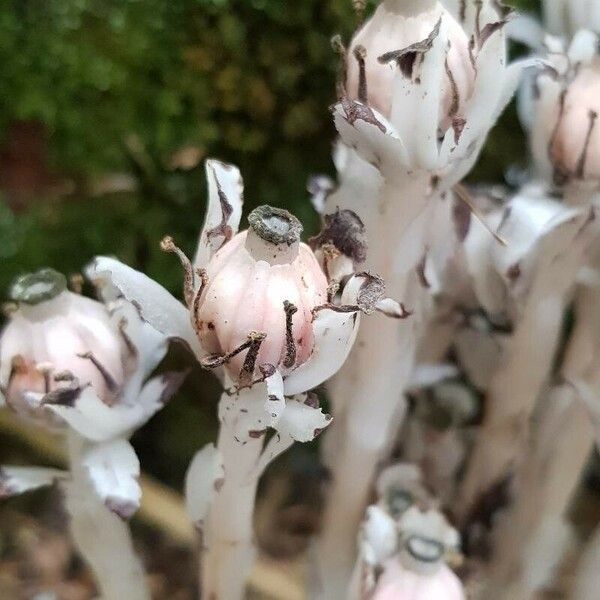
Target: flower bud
[[53, 339], [397, 33], [262, 287], [574, 145], [398, 582]]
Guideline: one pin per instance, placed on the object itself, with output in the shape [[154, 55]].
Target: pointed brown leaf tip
[[408, 58], [461, 215], [226, 211], [355, 111], [122, 508], [344, 230], [371, 292], [172, 382]]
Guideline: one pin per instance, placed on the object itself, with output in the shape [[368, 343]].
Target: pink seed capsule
[[573, 130], [54, 339], [418, 574], [396, 26], [262, 287]]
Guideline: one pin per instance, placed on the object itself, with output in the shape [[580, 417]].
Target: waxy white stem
[[367, 394], [229, 551], [102, 538], [586, 578], [553, 468], [517, 384]]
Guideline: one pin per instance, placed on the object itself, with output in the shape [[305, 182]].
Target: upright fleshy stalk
[[273, 320], [560, 446], [529, 282], [79, 367], [409, 59]]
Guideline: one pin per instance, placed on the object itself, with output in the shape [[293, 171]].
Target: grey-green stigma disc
[[275, 225], [34, 288]]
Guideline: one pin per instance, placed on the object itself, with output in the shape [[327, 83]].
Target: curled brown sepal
[[345, 230], [409, 59], [218, 360], [168, 245]]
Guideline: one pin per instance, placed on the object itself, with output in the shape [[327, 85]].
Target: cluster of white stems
[[465, 294]]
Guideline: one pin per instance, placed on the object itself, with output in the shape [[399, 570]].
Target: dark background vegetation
[[107, 111]]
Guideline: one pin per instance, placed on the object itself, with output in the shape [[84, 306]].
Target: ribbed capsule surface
[[245, 295], [389, 31]]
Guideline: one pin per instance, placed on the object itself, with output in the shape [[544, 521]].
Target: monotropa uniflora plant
[[80, 368], [420, 89], [273, 320]]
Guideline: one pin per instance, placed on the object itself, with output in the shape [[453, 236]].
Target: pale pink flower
[[264, 280], [399, 26], [561, 108], [81, 367], [398, 582], [55, 334]]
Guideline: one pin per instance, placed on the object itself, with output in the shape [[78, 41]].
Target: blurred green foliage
[[120, 86]]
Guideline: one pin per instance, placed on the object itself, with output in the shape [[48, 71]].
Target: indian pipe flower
[[257, 301], [81, 367], [52, 335], [415, 58], [418, 570], [562, 114], [262, 312], [402, 555], [400, 31], [398, 582]]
